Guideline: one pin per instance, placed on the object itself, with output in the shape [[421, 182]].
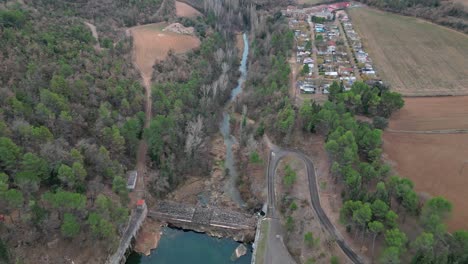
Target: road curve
[[275, 157]]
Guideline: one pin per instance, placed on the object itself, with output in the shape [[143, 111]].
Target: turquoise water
[[180, 247]]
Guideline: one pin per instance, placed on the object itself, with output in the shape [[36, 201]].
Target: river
[[179, 246], [225, 129]]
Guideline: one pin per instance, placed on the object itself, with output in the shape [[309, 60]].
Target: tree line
[[375, 202]]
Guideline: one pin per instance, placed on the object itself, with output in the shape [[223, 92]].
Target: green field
[[416, 57]]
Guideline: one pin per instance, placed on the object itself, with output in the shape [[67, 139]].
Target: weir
[[200, 217]]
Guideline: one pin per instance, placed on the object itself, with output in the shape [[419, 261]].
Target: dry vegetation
[[184, 10], [464, 2], [310, 2], [152, 44], [436, 163], [416, 57]]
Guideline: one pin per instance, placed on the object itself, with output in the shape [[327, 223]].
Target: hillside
[[70, 120]]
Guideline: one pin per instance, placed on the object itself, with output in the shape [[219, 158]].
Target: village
[[327, 49]]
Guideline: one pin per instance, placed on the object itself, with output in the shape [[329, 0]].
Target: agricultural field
[[417, 58], [464, 2], [152, 43], [185, 10], [437, 163]]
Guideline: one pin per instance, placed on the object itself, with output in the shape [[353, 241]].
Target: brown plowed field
[[185, 10], [464, 2], [438, 164], [151, 44]]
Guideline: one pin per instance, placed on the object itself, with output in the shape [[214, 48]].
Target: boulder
[[240, 251]]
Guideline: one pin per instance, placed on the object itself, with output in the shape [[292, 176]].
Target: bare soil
[[463, 2], [209, 189], [92, 27], [148, 237], [416, 57], [185, 10], [437, 164], [432, 113], [151, 44], [239, 44]]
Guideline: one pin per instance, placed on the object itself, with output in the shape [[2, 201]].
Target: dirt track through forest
[[151, 44], [185, 10]]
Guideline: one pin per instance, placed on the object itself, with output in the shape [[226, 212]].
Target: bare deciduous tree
[[194, 135]]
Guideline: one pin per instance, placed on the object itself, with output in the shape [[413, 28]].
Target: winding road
[[276, 155]]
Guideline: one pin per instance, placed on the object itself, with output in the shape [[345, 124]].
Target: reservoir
[[178, 247]]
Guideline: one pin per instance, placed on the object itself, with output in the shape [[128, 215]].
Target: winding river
[[225, 129], [179, 246]]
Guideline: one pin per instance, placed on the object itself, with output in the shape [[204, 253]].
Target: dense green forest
[[70, 116], [443, 12]]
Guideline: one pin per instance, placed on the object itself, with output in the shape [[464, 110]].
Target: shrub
[[293, 206], [289, 223], [380, 122], [255, 158]]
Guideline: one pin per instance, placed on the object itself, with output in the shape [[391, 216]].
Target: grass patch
[[255, 158]]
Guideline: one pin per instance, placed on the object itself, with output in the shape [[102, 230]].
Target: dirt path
[[92, 27], [185, 10]]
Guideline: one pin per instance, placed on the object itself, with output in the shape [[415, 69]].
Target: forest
[[443, 12], [69, 118]]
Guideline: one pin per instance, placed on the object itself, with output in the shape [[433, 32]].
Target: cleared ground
[[416, 57], [185, 10], [151, 44], [438, 164], [464, 2], [312, 2]]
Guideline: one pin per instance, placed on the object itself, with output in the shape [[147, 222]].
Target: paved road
[[275, 157], [276, 252]]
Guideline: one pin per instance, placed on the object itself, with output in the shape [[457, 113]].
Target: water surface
[[179, 247], [225, 129]]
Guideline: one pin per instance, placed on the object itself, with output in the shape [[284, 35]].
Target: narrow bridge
[[183, 215]]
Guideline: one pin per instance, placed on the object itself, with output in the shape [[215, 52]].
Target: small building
[[141, 204], [308, 60], [132, 177]]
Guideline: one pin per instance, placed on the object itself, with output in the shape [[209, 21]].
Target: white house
[[132, 179]]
